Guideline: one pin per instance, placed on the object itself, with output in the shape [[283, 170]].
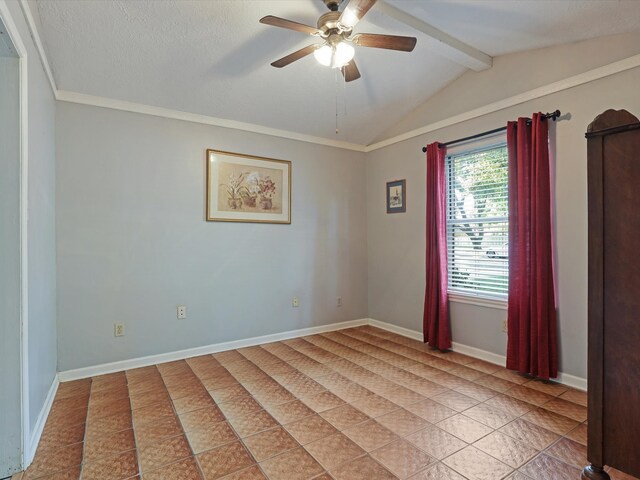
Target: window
[[477, 222]]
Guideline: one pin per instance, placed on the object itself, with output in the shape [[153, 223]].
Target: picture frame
[[397, 196], [247, 188]]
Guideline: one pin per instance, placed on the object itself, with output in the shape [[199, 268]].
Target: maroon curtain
[[437, 332], [532, 342]]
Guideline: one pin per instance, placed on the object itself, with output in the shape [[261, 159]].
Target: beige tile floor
[[360, 403]]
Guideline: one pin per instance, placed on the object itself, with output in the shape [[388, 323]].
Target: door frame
[[14, 35]]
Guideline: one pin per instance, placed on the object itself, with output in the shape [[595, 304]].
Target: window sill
[[479, 301]]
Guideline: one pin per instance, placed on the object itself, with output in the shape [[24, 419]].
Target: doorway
[[10, 253]]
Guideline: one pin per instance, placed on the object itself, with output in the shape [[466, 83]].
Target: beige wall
[[517, 73], [396, 242], [342, 242], [133, 243]]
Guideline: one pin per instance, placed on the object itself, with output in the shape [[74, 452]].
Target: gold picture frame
[[247, 188]]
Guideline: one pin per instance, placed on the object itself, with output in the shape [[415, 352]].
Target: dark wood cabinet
[[613, 150]]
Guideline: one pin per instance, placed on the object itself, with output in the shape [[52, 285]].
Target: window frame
[[458, 295]]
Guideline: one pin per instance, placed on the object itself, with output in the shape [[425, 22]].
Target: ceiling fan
[[336, 29]]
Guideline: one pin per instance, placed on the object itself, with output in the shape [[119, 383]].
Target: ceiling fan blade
[[390, 42], [354, 11], [291, 25], [292, 57], [351, 72]]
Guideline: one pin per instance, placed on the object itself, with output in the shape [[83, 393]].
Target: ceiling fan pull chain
[[336, 75], [344, 93]]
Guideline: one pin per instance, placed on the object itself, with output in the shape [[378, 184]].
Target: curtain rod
[[552, 116]]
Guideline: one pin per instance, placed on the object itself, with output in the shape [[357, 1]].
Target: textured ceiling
[[212, 57]]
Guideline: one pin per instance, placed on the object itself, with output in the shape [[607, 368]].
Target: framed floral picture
[[396, 196], [245, 188]]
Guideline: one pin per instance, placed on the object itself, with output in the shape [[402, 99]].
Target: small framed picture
[[396, 196]]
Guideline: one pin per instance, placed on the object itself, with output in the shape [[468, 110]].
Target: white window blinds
[[477, 222]]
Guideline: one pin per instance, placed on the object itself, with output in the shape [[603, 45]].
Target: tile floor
[[360, 403]]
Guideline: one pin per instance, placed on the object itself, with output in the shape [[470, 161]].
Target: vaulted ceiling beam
[[448, 46]]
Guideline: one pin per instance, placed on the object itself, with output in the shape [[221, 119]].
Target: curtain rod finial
[[424, 149]]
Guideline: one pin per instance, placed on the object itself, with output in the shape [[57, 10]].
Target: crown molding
[[37, 40], [555, 87], [74, 97], [84, 99]]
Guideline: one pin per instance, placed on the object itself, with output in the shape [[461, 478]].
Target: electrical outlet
[[339, 302], [295, 302], [118, 329], [181, 311], [504, 326]]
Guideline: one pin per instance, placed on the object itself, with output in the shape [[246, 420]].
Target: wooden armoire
[[613, 150]]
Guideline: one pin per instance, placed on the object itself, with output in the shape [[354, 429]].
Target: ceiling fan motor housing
[[332, 4], [328, 24]]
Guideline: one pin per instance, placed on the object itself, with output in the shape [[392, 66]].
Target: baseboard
[[86, 372], [573, 381], [480, 354], [578, 383], [566, 379], [40, 422], [389, 327], [119, 366]]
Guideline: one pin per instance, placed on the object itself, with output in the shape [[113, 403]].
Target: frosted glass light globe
[[334, 57], [344, 54], [324, 55]]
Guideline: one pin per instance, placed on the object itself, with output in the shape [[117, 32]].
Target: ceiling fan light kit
[[334, 56], [335, 29]]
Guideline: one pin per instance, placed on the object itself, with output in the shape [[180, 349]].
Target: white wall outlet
[[339, 302], [118, 329], [181, 311], [295, 302], [505, 326]]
